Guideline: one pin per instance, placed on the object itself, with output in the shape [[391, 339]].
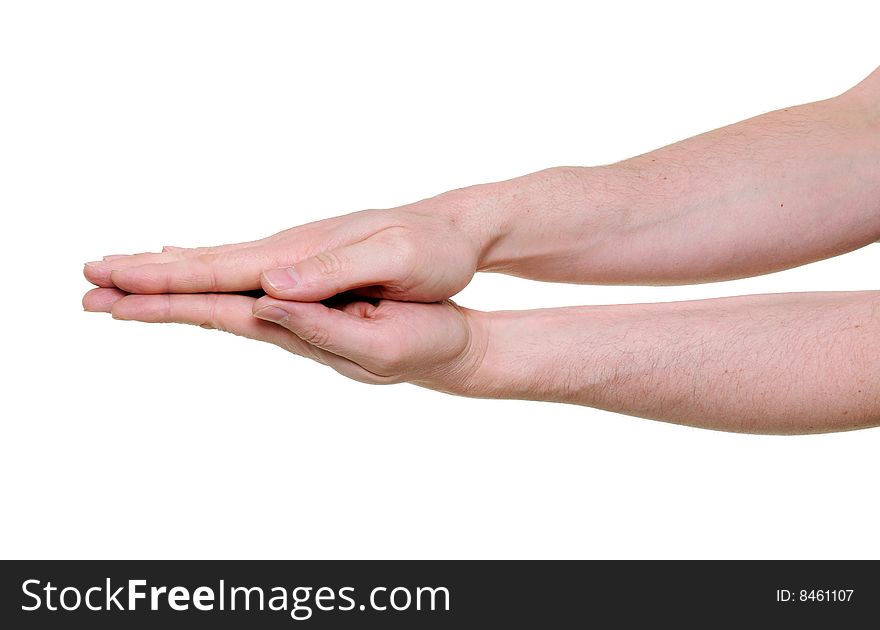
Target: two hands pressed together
[[368, 293]]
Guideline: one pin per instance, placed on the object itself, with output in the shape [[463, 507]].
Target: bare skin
[[772, 192]]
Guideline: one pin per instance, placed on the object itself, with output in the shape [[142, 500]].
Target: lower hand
[[438, 345]]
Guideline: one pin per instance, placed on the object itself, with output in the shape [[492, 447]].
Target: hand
[[426, 252], [438, 345]]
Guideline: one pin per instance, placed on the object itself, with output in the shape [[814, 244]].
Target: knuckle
[[315, 335], [328, 264], [167, 313], [208, 263], [209, 320], [207, 258], [407, 251]]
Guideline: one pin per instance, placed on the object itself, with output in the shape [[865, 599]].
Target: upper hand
[[422, 252]]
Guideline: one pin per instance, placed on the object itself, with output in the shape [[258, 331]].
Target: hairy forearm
[[772, 192], [785, 363]]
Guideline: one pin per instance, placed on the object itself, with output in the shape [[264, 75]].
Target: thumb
[[341, 333], [326, 274]]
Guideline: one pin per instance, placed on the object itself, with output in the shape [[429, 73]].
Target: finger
[[350, 267], [343, 332], [233, 270], [101, 300], [98, 272], [233, 314], [230, 313]]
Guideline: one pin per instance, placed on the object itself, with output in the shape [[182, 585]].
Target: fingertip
[[101, 300], [98, 273], [131, 279], [274, 310], [128, 308], [273, 314], [116, 311], [118, 280], [289, 306], [264, 301], [280, 283], [258, 304]]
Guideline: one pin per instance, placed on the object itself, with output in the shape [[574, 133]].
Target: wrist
[[520, 354], [532, 224], [482, 212]]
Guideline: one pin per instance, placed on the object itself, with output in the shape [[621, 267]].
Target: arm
[[789, 363], [776, 191], [785, 363]]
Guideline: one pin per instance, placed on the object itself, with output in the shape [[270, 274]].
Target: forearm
[[786, 363], [772, 192]]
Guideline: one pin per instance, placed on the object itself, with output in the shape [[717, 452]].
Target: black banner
[[433, 594]]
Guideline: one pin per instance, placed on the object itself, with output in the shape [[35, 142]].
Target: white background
[[128, 125]]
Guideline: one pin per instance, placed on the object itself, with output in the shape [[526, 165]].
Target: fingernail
[[171, 248], [282, 279], [113, 257], [272, 314], [94, 263]]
